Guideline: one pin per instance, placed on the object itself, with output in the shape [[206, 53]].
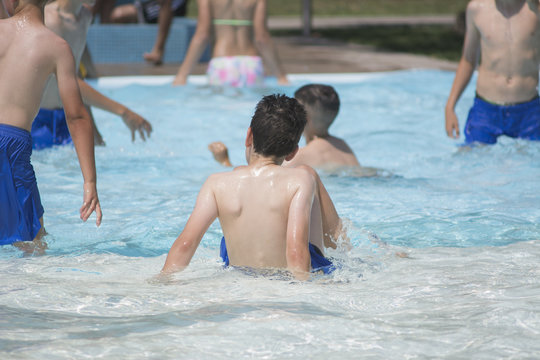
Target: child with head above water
[[271, 216], [29, 54], [322, 151], [504, 35], [71, 19]]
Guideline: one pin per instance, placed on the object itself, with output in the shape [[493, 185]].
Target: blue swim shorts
[[487, 121], [50, 128], [318, 261], [20, 204]]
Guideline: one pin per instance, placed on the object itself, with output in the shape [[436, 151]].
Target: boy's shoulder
[[477, 5], [225, 177], [38, 35], [292, 174], [329, 142], [53, 44]]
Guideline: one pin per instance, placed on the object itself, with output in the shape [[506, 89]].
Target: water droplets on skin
[[468, 221]]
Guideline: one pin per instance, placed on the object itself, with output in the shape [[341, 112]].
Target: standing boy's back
[[29, 54]]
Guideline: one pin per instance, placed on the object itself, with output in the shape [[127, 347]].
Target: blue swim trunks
[[20, 204], [318, 261], [487, 121], [50, 128]]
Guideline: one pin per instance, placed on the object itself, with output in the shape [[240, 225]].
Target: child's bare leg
[[164, 24], [36, 246]]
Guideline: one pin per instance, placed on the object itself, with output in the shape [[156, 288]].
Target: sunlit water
[[469, 220]]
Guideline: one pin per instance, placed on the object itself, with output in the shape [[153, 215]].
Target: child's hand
[[90, 203], [135, 122], [220, 152], [452, 124], [283, 80]]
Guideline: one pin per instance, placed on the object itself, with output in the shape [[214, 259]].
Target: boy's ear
[[292, 154], [249, 137]]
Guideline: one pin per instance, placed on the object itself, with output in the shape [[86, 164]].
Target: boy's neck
[[259, 161], [30, 10], [310, 137]]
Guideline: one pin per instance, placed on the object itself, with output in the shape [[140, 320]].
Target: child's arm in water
[[332, 225], [204, 213], [133, 121], [80, 127], [467, 64], [298, 226]]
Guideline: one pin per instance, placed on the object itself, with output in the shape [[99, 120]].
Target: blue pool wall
[[126, 43]]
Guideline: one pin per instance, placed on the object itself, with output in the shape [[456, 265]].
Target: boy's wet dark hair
[[277, 125], [320, 96]]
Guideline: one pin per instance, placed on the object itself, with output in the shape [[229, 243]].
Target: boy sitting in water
[[272, 216], [29, 54], [70, 19], [322, 150]]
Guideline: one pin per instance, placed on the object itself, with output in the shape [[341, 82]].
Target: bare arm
[[80, 128], [331, 222], [467, 64], [201, 218], [265, 45], [198, 43], [297, 251], [133, 121], [220, 152]]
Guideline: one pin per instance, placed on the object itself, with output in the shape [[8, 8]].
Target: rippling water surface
[[468, 218]]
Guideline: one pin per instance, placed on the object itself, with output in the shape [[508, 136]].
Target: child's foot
[[154, 57], [35, 247]]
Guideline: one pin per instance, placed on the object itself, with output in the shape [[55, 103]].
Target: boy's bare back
[[29, 54], [255, 202]]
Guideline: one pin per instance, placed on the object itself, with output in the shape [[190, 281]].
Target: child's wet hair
[[277, 125]]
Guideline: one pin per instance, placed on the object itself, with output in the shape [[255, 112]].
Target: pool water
[[468, 218]]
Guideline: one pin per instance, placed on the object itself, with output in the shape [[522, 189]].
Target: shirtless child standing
[[505, 36], [271, 216], [70, 19], [29, 54]]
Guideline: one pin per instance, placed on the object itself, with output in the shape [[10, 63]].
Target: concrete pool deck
[[300, 55]]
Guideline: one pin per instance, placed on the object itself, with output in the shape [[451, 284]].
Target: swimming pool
[[470, 221]]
